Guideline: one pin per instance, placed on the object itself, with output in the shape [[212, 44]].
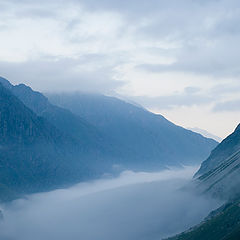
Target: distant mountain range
[[206, 133], [139, 137], [58, 140], [219, 176], [48, 144]]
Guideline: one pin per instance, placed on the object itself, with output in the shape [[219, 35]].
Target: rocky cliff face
[[223, 181], [222, 152], [220, 173], [219, 176]]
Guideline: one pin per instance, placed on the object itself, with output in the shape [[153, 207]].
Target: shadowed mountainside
[[220, 173], [222, 224], [137, 135], [225, 149], [219, 176], [32, 151], [44, 146]]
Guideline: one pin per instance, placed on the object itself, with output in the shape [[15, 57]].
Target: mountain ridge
[[108, 136], [28, 143], [150, 136], [219, 177]]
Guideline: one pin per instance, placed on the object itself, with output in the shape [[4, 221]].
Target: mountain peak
[[32, 99], [5, 83], [237, 128]]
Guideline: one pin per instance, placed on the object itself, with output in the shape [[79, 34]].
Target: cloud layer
[[141, 206]]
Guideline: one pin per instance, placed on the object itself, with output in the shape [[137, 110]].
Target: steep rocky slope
[[34, 155], [220, 173], [220, 178], [222, 224], [224, 150]]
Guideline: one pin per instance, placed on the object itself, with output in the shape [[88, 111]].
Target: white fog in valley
[[133, 206]]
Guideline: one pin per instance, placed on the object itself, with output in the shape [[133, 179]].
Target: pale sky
[[179, 58]]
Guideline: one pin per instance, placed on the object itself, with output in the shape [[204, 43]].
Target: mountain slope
[[61, 118], [139, 137], [220, 178], [219, 174], [223, 224], [34, 155], [206, 134], [44, 146], [115, 133], [225, 149]]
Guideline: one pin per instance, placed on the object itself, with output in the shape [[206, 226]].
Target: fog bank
[[141, 206]]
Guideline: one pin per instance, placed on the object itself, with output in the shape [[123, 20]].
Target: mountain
[[222, 224], [44, 146], [34, 155], [224, 150], [91, 145], [28, 143], [140, 139], [219, 176], [206, 133], [62, 119]]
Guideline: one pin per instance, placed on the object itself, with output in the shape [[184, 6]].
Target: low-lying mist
[[134, 206]]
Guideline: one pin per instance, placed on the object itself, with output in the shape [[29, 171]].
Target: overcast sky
[[179, 58]]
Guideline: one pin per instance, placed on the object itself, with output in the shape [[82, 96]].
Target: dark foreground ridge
[[219, 176], [223, 224]]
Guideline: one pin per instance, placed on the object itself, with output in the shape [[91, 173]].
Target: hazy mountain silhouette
[[138, 136], [206, 133], [32, 151], [44, 146], [63, 119]]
